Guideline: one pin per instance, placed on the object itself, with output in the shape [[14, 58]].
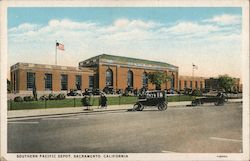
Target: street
[[202, 129]]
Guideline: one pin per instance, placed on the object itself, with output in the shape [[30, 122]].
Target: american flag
[[195, 67], [60, 46]]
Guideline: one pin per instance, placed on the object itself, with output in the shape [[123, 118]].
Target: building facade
[[96, 72], [189, 82], [213, 84], [48, 78], [122, 72]]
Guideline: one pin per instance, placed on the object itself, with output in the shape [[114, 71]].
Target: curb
[[92, 111], [62, 114]]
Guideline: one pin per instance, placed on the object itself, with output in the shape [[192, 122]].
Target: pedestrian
[[103, 101]]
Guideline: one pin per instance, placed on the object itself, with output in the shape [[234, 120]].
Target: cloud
[[183, 28], [71, 25], [225, 19], [25, 27], [127, 37]]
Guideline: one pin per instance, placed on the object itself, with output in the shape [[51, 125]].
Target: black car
[[96, 91], [88, 92], [73, 92], [109, 90], [151, 98], [218, 100]]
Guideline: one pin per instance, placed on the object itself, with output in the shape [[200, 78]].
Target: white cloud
[[225, 19], [134, 38], [182, 28], [68, 24], [25, 27]]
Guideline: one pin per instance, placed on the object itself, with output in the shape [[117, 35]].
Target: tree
[[157, 78], [226, 83]]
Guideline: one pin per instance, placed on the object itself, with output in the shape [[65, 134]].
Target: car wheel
[[138, 107], [162, 106]]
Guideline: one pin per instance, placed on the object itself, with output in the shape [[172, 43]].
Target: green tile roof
[[134, 60]]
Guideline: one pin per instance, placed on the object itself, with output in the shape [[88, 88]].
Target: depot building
[[97, 72]]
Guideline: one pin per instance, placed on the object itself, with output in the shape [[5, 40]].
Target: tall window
[[185, 84], [64, 82], [91, 81], [48, 82], [30, 80], [109, 77], [172, 82], [191, 84], [144, 79], [130, 78], [78, 82], [179, 85], [196, 85]]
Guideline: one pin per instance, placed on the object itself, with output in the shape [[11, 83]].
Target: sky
[[210, 38]]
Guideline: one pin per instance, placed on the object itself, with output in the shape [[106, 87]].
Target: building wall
[[21, 79], [120, 77], [200, 82]]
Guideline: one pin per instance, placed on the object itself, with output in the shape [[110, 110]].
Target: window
[[64, 82], [130, 79], [14, 81], [172, 82], [144, 79], [30, 80], [191, 84], [185, 84], [179, 85], [48, 82], [91, 81], [78, 82], [196, 85], [109, 77]]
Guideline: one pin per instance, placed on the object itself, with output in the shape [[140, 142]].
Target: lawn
[[76, 102]]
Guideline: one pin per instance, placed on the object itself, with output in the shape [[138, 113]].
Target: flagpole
[[56, 54], [192, 75]]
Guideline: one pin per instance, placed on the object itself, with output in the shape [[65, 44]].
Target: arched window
[[109, 77], [144, 79], [130, 78]]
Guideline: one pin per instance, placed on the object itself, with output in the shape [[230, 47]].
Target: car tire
[[162, 106], [138, 107]]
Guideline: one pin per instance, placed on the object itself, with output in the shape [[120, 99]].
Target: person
[[103, 101]]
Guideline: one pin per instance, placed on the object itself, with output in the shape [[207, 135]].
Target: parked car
[[73, 92], [109, 90], [152, 99], [129, 91], [96, 91], [119, 91], [88, 92]]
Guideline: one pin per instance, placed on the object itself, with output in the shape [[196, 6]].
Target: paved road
[[205, 129]]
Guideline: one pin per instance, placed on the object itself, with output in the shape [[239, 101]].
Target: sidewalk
[[75, 110]]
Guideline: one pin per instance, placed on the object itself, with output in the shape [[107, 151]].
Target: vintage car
[[218, 100], [73, 92], [151, 99], [109, 90]]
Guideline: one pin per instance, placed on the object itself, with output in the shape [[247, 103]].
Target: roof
[[130, 61], [46, 66]]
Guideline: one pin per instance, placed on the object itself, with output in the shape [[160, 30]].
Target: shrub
[[52, 96], [61, 96], [44, 97], [28, 98], [18, 99]]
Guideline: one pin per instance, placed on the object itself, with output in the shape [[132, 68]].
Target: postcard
[[124, 80]]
